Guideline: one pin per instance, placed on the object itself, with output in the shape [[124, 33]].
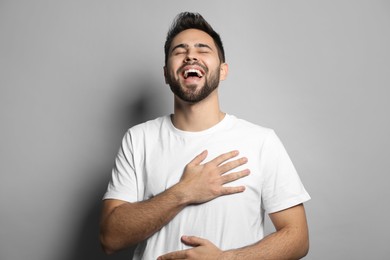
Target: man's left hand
[[202, 249]]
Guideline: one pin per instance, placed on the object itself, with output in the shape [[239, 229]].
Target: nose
[[190, 57]]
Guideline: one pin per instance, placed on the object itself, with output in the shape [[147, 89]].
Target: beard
[[192, 93]]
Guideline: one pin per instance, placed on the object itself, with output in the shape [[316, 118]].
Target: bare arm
[[124, 224], [290, 241]]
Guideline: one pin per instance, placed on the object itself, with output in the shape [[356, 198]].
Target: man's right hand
[[203, 182]]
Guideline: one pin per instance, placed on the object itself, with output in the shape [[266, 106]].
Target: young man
[[196, 184]]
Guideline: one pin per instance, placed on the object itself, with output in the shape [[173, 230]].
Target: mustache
[[180, 70]]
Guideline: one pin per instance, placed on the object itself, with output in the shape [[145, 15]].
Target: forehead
[[192, 37]]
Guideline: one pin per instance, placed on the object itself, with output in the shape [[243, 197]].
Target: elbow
[[111, 244], [108, 244], [307, 248], [304, 248], [300, 245], [299, 251], [107, 251]]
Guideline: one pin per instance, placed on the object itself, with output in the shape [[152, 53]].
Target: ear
[[165, 74], [223, 71]]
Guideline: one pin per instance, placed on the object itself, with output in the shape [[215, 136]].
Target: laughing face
[[193, 69]]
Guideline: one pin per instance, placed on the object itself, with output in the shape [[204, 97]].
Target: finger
[[193, 241], [224, 157], [235, 176], [232, 164], [174, 255], [199, 158], [232, 190]]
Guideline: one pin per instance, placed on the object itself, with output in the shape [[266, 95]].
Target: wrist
[[180, 192], [228, 255]]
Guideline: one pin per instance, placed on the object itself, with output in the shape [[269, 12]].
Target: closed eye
[[179, 49], [179, 52], [203, 48]]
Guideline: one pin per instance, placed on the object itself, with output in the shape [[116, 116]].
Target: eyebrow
[[185, 46]]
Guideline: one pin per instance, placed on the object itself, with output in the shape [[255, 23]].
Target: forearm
[[125, 224], [130, 223], [287, 243]]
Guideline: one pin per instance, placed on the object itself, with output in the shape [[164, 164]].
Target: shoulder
[[250, 128], [145, 132], [148, 126], [250, 133], [148, 132]]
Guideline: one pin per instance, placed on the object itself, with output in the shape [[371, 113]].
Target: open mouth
[[192, 73]]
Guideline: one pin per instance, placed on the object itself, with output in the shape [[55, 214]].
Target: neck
[[199, 116]]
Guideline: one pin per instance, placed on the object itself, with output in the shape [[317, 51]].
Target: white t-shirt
[[152, 159]]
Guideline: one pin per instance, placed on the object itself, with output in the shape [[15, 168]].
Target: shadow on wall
[[86, 245]]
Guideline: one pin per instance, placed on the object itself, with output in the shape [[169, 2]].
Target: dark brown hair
[[187, 20]]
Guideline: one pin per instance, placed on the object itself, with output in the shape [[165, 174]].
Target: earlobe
[[224, 71]]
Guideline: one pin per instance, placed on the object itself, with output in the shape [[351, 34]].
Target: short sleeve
[[281, 187], [123, 183]]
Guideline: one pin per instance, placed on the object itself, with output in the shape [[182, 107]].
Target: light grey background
[[74, 75]]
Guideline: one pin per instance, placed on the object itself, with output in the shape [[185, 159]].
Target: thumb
[[193, 240]]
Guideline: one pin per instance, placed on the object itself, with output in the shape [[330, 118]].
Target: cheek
[[172, 74], [173, 67]]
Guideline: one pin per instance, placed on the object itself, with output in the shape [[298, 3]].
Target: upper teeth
[[198, 72]]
